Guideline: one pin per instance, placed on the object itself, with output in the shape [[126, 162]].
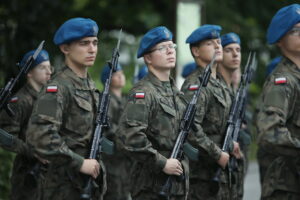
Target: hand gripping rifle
[[185, 126], [6, 92], [236, 116], [102, 119]]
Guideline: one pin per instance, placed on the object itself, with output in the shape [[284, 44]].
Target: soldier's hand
[[42, 160], [223, 159], [236, 151], [90, 167], [173, 167]]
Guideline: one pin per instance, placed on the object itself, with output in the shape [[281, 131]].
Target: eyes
[[164, 48], [88, 42], [295, 31]]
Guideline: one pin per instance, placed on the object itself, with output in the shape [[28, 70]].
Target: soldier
[[117, 164], [211, 116], [24, 179], [188, 69], [150, 123], [63, 119], [230, 71], [278, 119]]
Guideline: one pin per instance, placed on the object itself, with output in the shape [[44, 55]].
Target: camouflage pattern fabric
[[278, 123], [210, 124], [23, 180], [61, 129], [148, 129]]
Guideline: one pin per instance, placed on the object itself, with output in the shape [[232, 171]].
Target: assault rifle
[[102, 119], [185, 126], [6, 92]]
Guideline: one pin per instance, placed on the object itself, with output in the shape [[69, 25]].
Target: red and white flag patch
[[14, 100], [140, 95], [52, 88], [281, 80], [193, 87]]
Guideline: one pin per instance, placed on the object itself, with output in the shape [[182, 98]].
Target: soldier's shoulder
[[142, 91]]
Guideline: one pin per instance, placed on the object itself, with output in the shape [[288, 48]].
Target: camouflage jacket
[[62, 125], [278, 123], [148, 130], [210, 123]]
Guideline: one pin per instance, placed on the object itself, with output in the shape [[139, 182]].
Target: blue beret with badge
[[43, 56], [153, 37], [106, 70], [230, 38], [75, 29], [204, 32], [282, 22], [188, 69], [143, 72]]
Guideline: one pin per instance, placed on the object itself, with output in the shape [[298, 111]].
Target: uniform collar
[[77, 81], [29, 89]]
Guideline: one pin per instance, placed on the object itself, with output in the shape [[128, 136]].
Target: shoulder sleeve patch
[[280, 80], [139, 95], [14, 100], [52, 88], [193, 87]]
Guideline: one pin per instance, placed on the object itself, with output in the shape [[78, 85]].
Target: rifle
[[185, 126], [101, 119], [6, 92], [236, 116]]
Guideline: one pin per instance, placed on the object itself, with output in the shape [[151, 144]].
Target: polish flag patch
[[52, 89], [14, 100], [281, 80], [193, 87], [140, 95]]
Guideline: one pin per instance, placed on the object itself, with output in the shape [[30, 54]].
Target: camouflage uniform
[[279, 125], [210, 122], [148, 129], [117, 165], [63, 123], [24, 184]]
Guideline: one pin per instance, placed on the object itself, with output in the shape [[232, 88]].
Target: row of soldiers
[[54, 119]]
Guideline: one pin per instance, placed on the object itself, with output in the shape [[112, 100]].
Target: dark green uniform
[[61, 129], [279, 131], [117, 165], [148, 129], [23, 180], [210, 122]]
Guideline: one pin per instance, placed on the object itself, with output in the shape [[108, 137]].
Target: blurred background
[[25, 23]]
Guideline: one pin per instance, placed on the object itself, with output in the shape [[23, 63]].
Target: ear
[[65, 48], [29, 74], [195, 51], [147, 59]]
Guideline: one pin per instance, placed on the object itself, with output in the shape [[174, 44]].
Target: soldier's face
[[206, 49], [232, 56], [290, 42], [41, 73], [162, 55], [118, 79], [82, 53]]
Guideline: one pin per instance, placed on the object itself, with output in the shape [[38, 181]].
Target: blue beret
[[153, 37], [43, 56], [230, 38], [282, 22], [143, 72], [271, 66], [204, 32], [105, 72], [75, 29], [188, 69]]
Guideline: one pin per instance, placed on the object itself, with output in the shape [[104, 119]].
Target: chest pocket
[[168, 109], [82, 100], [217, 111]]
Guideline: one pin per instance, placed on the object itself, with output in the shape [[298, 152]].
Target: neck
[[79, 70], [294, 58], [202, 64], [116, 91], [162, 75], [226, 74], [37, 87]]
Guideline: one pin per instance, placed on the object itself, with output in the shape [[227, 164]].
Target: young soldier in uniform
[[117, 165], [211, 116], [230, 71], [23, 181], [150, 123], [278, 119], [63, 120]]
